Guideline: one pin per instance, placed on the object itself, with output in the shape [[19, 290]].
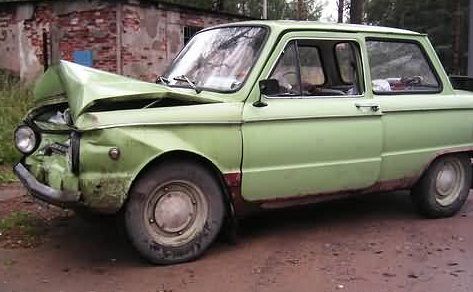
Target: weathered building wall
[[9, 45], [153, 35], [35, 29], [65, 27], [88, 27], [135, 38]]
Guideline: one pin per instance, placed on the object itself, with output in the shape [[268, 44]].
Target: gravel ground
[[372, 243]]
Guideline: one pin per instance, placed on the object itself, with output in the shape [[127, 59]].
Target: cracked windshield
[[218, 59]]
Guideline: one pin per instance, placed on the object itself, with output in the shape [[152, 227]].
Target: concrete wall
[[134, 38]]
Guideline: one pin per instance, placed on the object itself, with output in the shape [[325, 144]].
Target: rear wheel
[[175, 212], [444, 187]]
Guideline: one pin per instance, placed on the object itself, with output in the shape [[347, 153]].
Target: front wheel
[[175, 212], [444, 187]]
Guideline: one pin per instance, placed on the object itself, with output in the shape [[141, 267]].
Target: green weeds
[[20, 229], [15, 100]]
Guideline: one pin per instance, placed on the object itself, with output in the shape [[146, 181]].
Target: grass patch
[[20, 229], [20, 220], [9, 262], [15, 100], [6, 175]]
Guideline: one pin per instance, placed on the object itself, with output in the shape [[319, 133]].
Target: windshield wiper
[[162, 80], [184, 78]]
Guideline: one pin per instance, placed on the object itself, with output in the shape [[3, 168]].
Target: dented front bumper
[[44, 192], [97, 182]]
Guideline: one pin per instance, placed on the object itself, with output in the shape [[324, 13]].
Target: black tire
[[439, 193], [169, 185]]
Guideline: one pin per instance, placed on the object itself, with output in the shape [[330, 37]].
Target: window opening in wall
[[190, 31], [46, 50]]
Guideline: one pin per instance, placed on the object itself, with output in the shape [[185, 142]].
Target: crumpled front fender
[[105, 182]]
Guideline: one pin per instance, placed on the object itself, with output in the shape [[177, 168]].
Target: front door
[[319, 133]]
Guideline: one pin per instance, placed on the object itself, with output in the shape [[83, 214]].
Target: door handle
[[372, 106]]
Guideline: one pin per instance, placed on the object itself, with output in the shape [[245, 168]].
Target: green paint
[[291, 147]]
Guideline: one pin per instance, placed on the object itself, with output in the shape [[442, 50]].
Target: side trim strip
[[425, 110], [184, 123]]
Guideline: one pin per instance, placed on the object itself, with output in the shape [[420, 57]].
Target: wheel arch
[[464, 150], [411, 180], [186, 155]]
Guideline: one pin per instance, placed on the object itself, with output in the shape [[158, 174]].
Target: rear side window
[[400, 67]]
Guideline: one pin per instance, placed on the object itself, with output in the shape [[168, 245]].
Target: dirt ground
[[372, 243]]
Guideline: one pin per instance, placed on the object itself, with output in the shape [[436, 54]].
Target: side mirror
[[267, 87]]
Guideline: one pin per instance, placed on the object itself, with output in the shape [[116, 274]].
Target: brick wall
[[32, 41], [94, 30], [83, 25]]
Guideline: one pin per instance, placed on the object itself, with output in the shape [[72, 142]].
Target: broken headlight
[[26, 139]]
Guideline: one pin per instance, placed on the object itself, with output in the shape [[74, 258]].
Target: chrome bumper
[[44, 192]]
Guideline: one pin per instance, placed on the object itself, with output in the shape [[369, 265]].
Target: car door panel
[[297, 147], [415, 134], [417, 125]]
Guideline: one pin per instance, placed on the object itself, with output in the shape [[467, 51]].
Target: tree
[[438, 18], [217, 5], [277, 9], [303, 10], [456, 29], [341, 10], [356, 11]]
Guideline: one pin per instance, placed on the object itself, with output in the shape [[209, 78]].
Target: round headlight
[[25, 139]]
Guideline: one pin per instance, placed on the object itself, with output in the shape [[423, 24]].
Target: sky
[[329, 14]]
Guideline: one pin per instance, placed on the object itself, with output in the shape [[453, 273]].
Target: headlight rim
[[37, 138]]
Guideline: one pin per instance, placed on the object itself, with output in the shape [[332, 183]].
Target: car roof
[[281, 25]]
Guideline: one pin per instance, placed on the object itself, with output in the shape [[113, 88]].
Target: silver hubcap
[[176, 212], [449, 182]]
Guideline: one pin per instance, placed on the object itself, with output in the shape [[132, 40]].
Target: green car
[[251, 115]]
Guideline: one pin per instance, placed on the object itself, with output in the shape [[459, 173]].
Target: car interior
[[319, 68]]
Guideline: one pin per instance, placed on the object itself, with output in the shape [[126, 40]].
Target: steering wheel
[[330, 92], [284, 75], [411, 80], [285, 81]]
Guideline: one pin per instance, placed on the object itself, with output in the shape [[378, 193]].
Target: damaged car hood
[[82, 86]]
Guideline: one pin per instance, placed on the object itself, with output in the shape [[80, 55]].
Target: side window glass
[[312, 73], [400, 67], [346, 62], [286, 72], [318, 68]]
